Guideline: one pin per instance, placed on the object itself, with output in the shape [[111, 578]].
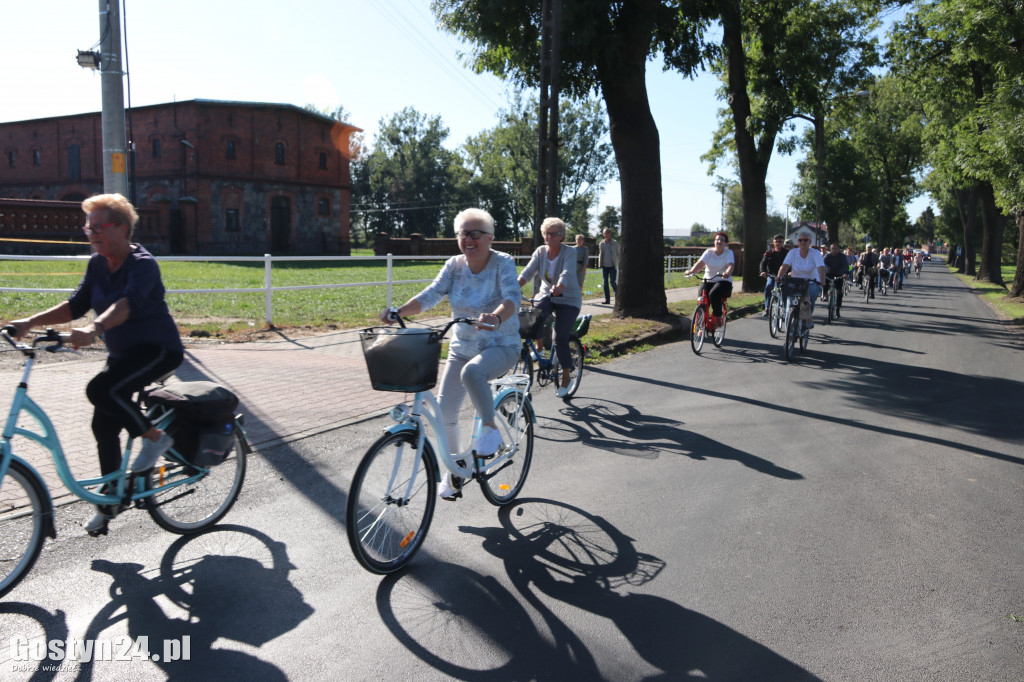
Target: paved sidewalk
[[289, 389]]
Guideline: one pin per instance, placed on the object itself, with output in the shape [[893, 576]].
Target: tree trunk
[[1018, 279], [991, 237], [967, 202], [753, 167], [634, 135]]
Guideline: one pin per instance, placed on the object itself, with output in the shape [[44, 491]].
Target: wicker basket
[[400, 359]]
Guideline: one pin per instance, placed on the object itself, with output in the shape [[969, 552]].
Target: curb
[[676, 330]]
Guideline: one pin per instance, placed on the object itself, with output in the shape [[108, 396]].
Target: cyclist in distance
[[885, 265], [718, 263], [836, 265], [806, 263], [122, 285], [852, 258], [868, 262], [479, 283], [559, 291], [771, 261]]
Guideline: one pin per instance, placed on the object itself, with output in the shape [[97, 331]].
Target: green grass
[[996, 296]]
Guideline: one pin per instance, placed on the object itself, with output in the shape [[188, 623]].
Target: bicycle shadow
[[227, 583], [30, 624], [622, 429], [561, 552]]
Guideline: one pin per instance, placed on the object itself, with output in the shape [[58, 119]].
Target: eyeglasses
[[551, 234], [96, 229], [475, 235], [804, 240]]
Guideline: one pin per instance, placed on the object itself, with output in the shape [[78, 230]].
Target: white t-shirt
[[715, 265], [804, 268]]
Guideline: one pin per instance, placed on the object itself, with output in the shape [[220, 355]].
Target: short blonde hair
[[554, 222], [474, 215], [119, 209]]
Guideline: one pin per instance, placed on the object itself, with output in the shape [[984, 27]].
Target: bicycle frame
[[425, 406]]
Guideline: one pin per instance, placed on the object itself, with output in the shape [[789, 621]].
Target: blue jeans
[[610, 275], [768, 290]]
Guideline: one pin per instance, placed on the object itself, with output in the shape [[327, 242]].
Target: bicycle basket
[[530, 321], [400, 359], [794, 286]]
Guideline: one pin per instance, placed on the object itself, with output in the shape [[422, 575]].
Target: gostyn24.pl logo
[[122, 648]]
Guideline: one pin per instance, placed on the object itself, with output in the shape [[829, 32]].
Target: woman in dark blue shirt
[[122, 285]]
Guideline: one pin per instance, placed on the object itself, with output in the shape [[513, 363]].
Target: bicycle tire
[[187, 509], [524, 365], [385, 530], [576, 352], [773, 316], [516, 426], [22, 524], [792, 321], [867, 291], [718, 337], [805, 334], [698, 329], [832, 303]]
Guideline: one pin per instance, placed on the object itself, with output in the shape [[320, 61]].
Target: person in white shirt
[[718, 263], [806, 263]]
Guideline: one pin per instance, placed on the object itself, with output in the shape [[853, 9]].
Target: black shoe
[[607, 302]]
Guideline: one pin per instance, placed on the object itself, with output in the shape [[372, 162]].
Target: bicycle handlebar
[[57, 339]]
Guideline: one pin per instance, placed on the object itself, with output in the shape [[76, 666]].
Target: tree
[[408, 182], [778, 60], [604, 48], [610, 219], [956, 57], [503, 162]]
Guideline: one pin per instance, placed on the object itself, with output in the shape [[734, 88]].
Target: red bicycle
[[704, 323]]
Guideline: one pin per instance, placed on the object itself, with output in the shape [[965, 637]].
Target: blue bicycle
[[543, 368]]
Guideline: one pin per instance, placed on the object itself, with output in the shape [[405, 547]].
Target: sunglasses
[[472, 234], [808, 241], [96, 229]]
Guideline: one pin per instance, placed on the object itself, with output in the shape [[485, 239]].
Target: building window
[[231, 219], [11, 157], [323, 207], [36, 157], [74, 162], [229, 150], [157, 150], [323, 160], [279, 153]]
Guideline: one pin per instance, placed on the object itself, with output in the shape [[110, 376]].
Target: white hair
[[475, 215]]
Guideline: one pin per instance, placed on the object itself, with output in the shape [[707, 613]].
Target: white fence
[[673, 264]]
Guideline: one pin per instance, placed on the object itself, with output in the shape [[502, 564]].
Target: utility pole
[[115, 179], [547, 118]]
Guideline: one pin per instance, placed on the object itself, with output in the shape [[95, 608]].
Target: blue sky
[[374, 57]]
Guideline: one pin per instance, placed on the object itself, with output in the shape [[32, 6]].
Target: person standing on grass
[[608, 261]]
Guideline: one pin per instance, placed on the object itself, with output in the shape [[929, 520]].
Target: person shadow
[[561, 552], [218, 595]]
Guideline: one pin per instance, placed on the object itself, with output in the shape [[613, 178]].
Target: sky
[[374, 57]]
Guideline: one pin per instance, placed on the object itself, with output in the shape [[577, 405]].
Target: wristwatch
[[97, 329]]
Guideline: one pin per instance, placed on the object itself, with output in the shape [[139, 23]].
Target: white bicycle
[[394, 489]]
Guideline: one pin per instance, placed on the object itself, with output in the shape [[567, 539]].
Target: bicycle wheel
[[792, 330], [698, 329], [832, 302], [774, 316], [189, 508], [576, 351], [22, 524], [718, 338], [524, 365], [868, 286], [387, 520], [805, 333], [515, 421]]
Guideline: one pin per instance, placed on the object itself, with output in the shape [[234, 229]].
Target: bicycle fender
[[48, 526], [504, 392], [398, 428]]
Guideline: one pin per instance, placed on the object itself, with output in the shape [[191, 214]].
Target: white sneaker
[[488, 442], [152, 451], [561, 392], [448, 490]]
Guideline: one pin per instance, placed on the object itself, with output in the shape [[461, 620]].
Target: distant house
[[818, 232], [212, 177]]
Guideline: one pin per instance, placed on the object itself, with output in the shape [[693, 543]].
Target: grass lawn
[[996, 296]]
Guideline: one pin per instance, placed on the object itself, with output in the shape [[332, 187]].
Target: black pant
[[717, 292], [111, 391]]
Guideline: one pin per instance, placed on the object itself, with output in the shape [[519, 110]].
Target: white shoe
[[448, 490], [488, 442], [152, 451], [561, 392]]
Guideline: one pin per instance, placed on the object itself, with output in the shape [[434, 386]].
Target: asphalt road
[[854, 515]]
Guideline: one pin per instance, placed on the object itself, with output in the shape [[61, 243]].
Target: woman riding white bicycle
[[480, 283], [806, 263]]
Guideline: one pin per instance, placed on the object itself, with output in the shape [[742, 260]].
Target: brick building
[[212, 177]]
